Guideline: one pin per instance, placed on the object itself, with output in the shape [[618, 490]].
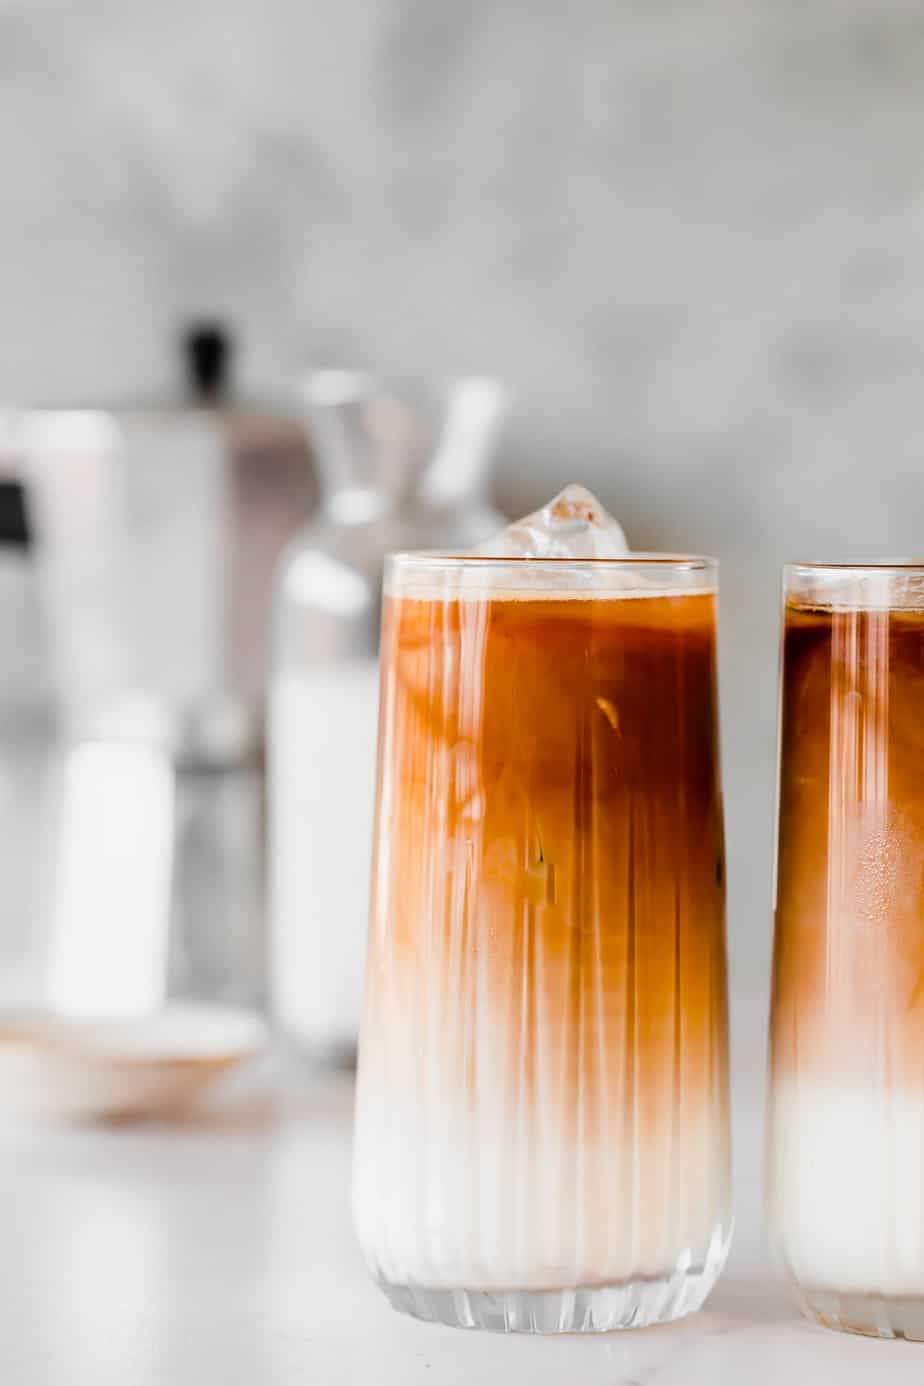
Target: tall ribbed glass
[[846, 1106], [542, 1114]]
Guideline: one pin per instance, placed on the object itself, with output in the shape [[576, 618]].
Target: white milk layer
[[846, 1187], [501, 1189]]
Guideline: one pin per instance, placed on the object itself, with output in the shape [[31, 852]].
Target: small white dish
[[59, 1067]]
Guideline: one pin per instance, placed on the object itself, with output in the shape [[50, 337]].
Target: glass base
[[875, 1316], [585, 1309]]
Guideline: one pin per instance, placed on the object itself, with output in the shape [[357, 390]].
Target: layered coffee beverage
[[542, 1126], [846, 1129]]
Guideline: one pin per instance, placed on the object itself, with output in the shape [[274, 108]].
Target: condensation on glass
[[846, 1104], [542, 1118]]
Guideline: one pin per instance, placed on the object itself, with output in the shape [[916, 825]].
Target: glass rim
[[449, 558], [900, 566]]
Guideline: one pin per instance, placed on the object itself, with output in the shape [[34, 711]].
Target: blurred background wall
[[690, 235]]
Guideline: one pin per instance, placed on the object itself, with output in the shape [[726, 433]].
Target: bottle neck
[[362, 445]]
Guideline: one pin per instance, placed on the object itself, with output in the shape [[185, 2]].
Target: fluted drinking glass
[[542, 1127], [846, 1103]]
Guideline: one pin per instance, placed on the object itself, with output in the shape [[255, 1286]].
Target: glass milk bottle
[[384, 486]]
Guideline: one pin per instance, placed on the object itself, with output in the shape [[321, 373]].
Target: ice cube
[[573, 525]]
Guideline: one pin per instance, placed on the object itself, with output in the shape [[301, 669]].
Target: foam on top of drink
[[573, 525], [836, 588]]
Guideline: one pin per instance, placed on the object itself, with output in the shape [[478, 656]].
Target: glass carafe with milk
[[392, 476]]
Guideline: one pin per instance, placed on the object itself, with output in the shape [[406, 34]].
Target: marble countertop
[[219, 1249]]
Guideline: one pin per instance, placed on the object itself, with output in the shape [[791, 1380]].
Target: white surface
[[220, 1251]]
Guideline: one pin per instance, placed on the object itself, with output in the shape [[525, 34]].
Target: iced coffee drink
[[846, 1131], [542, 1137]]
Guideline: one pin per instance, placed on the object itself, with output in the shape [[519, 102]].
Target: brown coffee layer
[[550, 837], [849, 950]]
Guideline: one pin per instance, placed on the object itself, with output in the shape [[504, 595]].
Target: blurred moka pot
[[157, 530]]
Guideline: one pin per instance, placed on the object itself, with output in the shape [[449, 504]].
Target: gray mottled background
[[690, 234]]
